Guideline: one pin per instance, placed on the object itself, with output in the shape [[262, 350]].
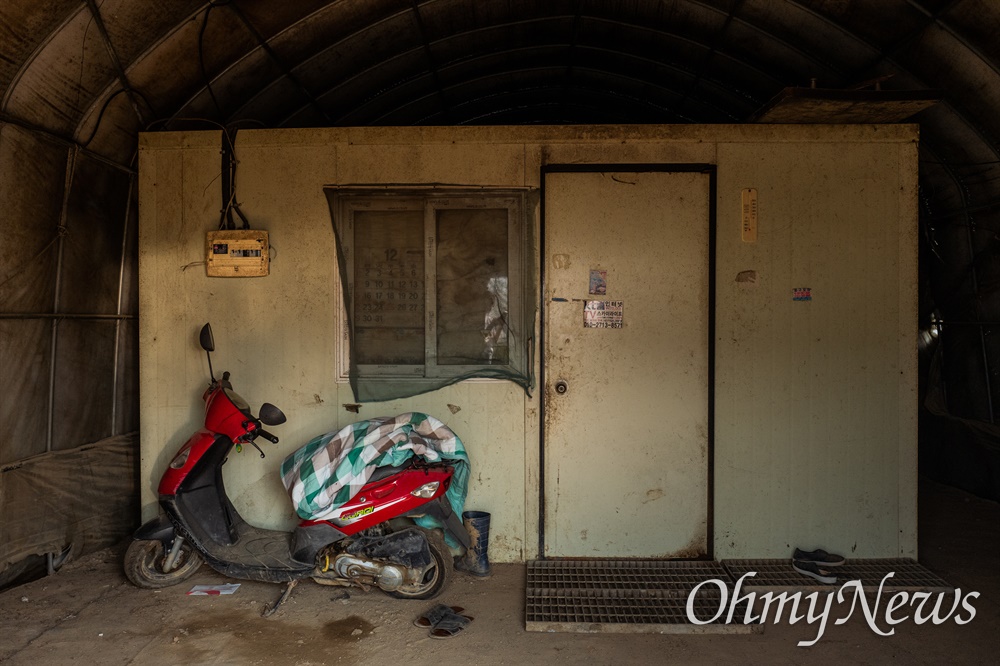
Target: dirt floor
[[88, 613]]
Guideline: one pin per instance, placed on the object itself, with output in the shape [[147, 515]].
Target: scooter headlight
[[180, 459], [427, 490]]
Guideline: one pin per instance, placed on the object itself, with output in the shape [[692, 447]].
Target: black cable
[[163, 121], [100, 116], [107, 103], [226, 182], [201, 58], [228, 170], [229, 163]]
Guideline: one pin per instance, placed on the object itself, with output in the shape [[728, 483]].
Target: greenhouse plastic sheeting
[[82, 500]]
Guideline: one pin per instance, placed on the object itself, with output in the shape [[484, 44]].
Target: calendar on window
[[389, 286]]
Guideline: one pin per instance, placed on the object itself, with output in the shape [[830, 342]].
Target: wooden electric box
[[242, 253]]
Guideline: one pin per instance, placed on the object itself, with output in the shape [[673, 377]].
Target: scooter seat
[[387, 471]]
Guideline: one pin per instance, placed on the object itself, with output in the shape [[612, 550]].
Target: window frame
[[351, 200]]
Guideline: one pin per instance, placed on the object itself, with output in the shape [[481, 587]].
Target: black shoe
[[812, 570], [820, 557]]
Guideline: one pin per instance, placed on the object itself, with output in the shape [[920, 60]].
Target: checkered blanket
[[328, 471]]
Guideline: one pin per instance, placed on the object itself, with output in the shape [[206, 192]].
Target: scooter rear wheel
[[144, 565], [436, 578]]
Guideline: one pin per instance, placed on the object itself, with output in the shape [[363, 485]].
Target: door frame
[[711, 170]]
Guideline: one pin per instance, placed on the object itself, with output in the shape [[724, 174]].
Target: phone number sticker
[[603, 314]]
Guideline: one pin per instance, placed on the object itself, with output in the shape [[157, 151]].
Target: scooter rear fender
[[440, 509]]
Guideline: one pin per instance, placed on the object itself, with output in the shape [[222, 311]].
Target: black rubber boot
[[476, 561]]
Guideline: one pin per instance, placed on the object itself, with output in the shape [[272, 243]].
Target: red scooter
[[371, 542]]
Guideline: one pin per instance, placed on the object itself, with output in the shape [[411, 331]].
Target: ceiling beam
[[61, 139], [116, 62], [278, 61], [713, 46], [432, 68]]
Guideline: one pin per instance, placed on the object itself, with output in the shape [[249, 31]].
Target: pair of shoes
[[820, 557], [443, 621]]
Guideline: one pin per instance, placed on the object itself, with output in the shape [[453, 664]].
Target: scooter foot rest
[[441, 511], [256, 554]]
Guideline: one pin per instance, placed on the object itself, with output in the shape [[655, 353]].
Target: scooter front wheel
[[436, 577], [144, 564]]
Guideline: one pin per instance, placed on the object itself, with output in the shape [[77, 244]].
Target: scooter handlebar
[[268, 436]]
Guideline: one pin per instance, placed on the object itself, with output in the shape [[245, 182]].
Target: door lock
[[561, 387]]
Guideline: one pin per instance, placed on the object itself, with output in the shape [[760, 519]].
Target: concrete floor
[[88, 613]]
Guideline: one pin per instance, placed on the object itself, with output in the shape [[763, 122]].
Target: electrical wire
[[229, 203], [212, 4], [107, 103], [201, 58]]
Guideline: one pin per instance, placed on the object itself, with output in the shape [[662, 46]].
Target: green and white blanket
[[328, 471]]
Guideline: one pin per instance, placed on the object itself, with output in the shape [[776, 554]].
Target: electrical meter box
[[242, 253]]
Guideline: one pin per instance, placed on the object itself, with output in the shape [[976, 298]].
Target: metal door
[[626, 432]]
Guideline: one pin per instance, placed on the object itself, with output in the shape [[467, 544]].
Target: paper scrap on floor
[[213, 590]]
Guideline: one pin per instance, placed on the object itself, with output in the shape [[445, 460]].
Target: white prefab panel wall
[[278, 334], [626, 443], [816, 399], [815, 429]]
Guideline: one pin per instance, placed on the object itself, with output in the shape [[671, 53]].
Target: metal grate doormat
[[624, 596], [779, 576]]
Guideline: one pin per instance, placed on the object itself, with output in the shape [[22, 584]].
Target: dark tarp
[[81, 500]]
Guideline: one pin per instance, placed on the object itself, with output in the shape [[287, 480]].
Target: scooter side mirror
[[206, 339], [271, 415]]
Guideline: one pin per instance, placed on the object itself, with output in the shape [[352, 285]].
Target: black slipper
[[450, 626], [820, 557], [435, 615]]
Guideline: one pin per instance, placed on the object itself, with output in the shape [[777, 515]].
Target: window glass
[[472, 272], [389, 285]]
